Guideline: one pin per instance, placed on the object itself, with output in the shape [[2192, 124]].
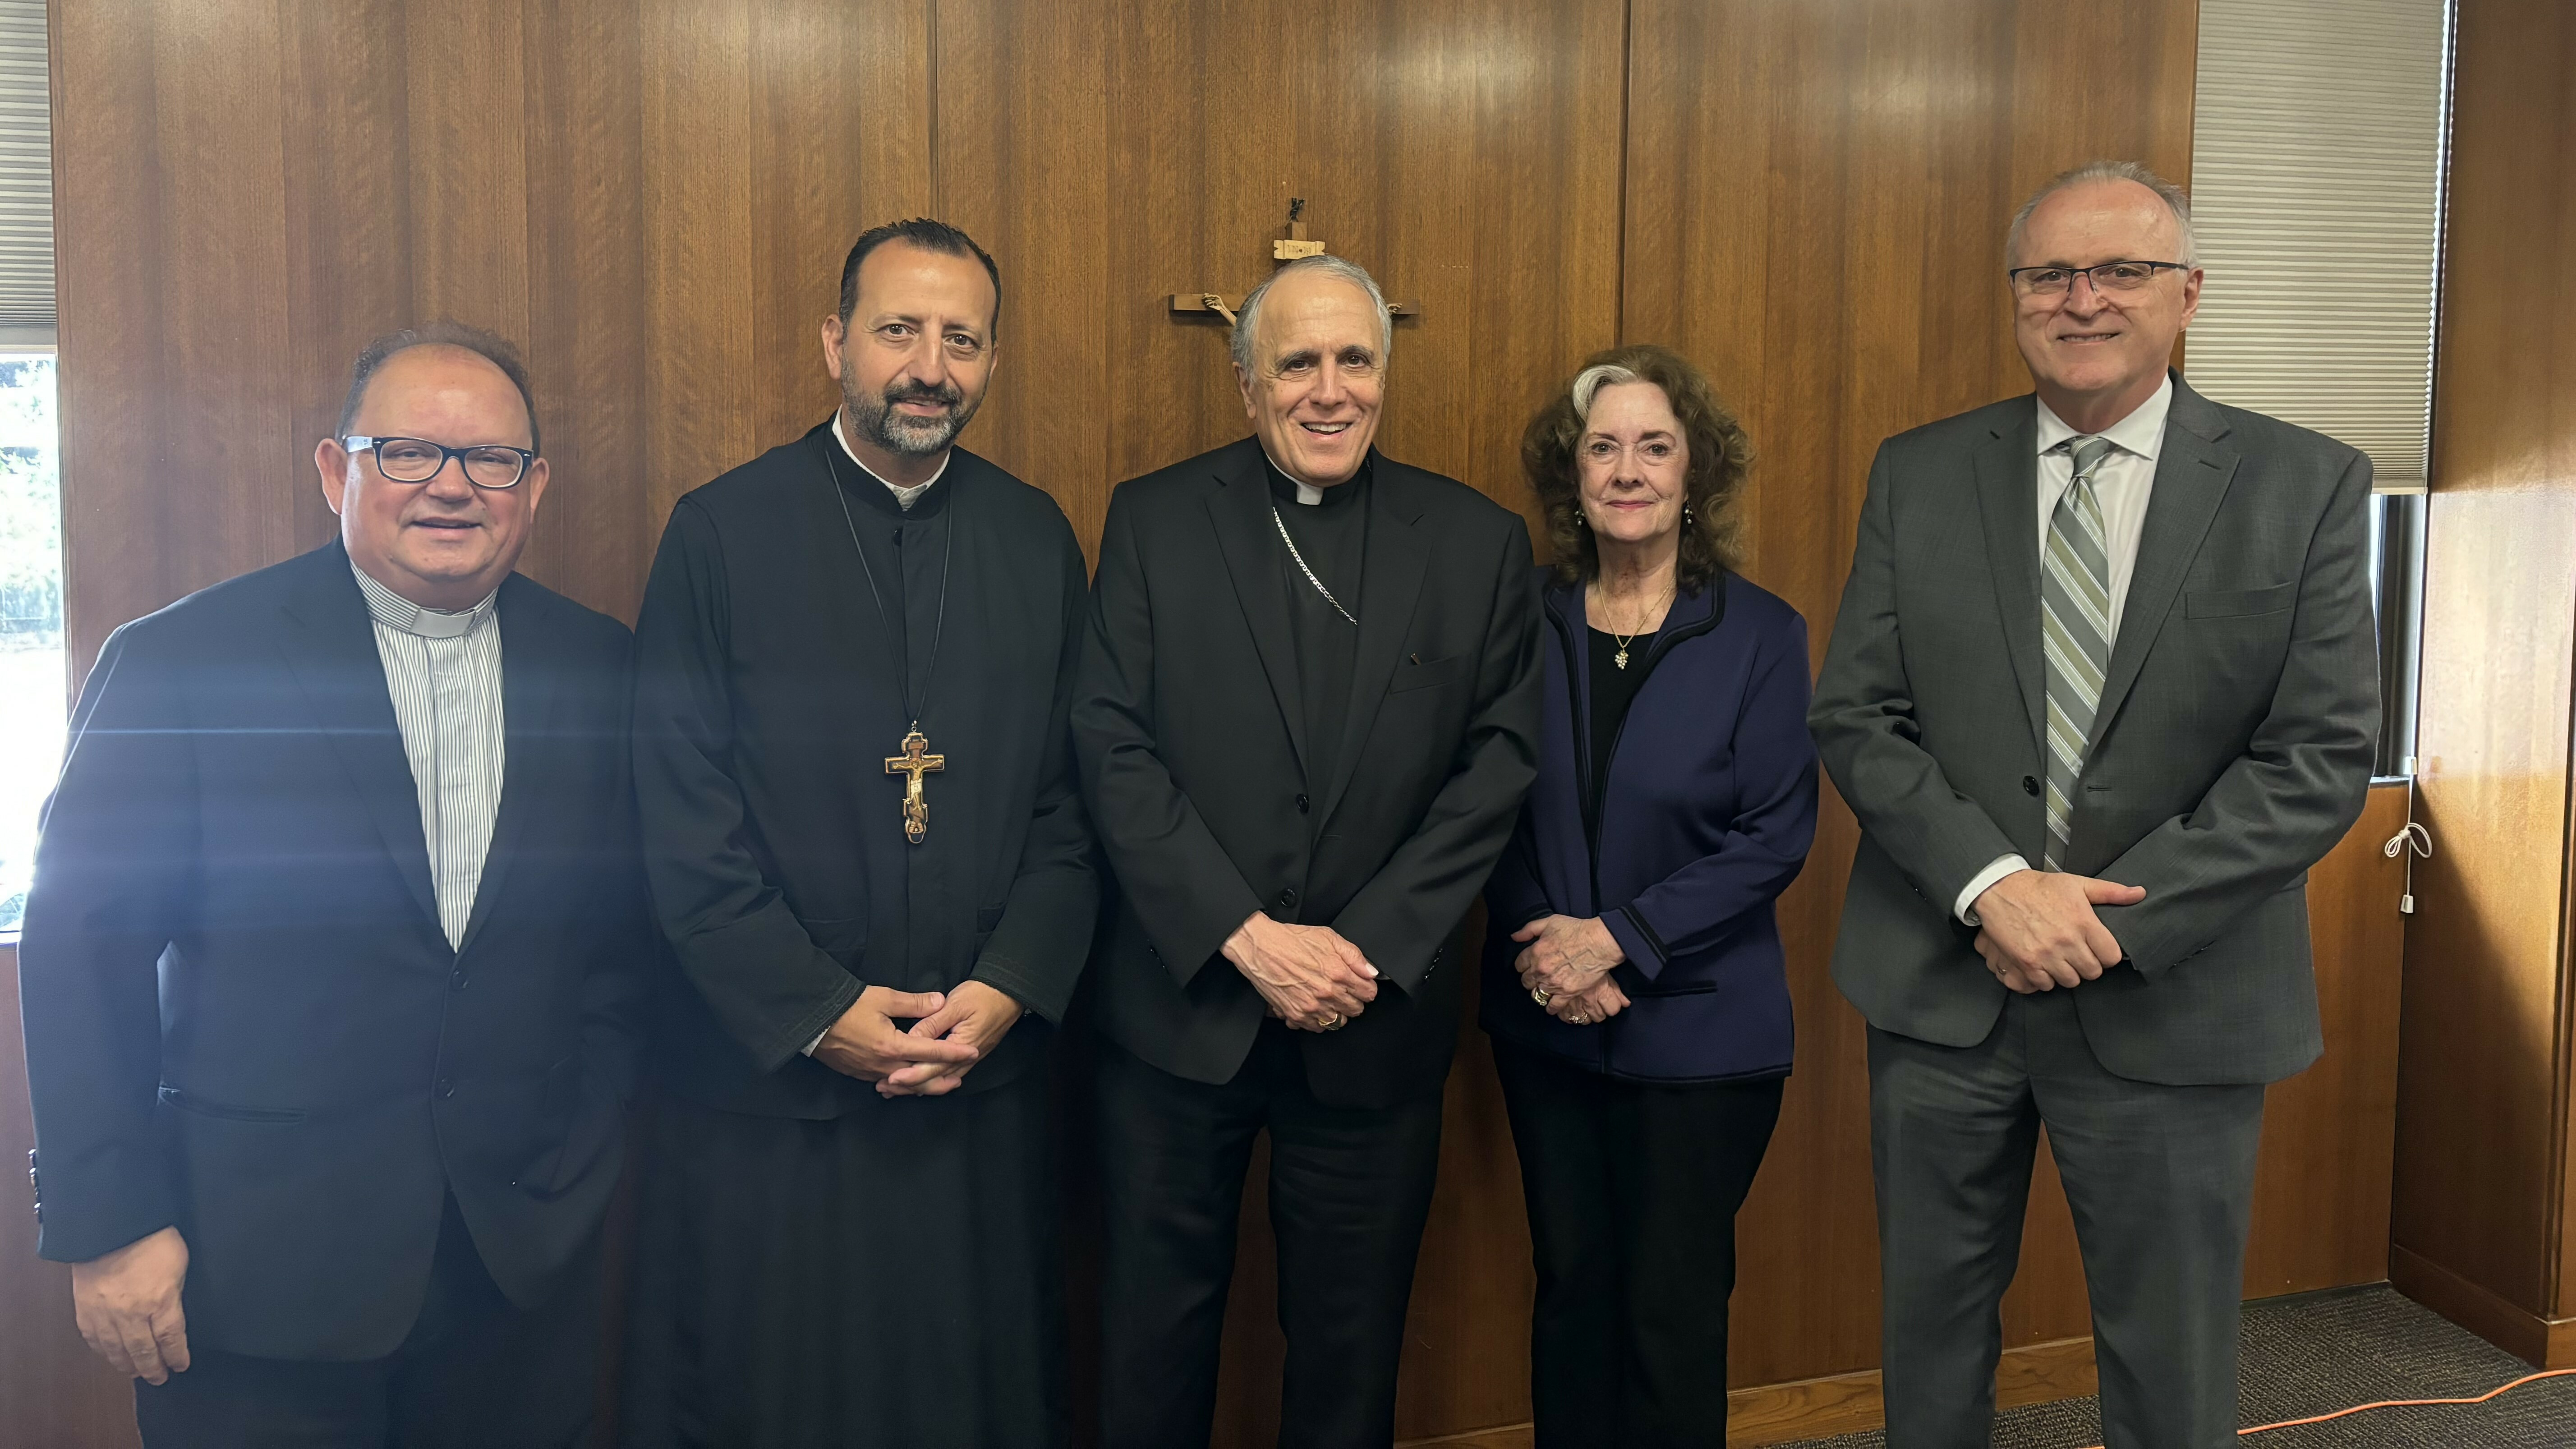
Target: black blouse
[[1613, 690]]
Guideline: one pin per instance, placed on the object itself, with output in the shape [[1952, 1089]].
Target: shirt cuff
[[1984, 881], [808, 1049]]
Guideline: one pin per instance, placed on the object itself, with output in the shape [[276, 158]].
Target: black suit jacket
[[1189, 725], [242, 1015]]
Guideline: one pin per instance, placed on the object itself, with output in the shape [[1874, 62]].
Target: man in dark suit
[[2102, 688], [1306, 714], [328, 965]]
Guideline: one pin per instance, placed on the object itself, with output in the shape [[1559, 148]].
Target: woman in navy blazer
[[1634, 983]]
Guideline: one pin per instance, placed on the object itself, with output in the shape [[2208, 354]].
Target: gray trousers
[[2161, 1180]]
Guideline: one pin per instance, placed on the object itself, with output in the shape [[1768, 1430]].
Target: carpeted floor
[[2320, 1352]]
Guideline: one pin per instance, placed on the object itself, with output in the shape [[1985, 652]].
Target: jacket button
[[1301, 804], [2030, 784], [1288, 898], [446, 1088]]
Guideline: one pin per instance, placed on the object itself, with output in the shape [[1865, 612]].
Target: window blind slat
[[26, 174], [2316, 196]]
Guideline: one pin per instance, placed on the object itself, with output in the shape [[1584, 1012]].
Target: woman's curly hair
[[1721, 454]]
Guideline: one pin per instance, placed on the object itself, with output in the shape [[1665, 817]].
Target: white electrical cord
[[2413, 841]]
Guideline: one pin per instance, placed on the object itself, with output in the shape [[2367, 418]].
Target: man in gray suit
[[2102, 688]]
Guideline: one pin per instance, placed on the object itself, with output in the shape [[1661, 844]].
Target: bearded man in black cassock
[[867, 850]]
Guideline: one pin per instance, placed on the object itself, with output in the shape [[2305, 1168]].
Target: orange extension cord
[[2401, 1404]]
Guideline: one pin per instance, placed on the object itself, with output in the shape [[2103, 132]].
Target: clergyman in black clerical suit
[[1306, 715], [331, 959], [849, 1227]]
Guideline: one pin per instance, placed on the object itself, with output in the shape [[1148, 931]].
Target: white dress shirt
[[903, 494], [443, 670], [2122, 484]]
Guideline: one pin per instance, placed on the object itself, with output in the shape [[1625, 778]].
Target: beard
[[875, 418]]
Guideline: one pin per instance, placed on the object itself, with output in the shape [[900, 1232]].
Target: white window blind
[[26, 179], [2316, 189]]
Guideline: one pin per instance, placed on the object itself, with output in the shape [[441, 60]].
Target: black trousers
[[1350, 1188], [2161, 1181], [475, 1373], [1632, 1189]]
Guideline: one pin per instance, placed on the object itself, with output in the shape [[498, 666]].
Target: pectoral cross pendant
[[913, 764]]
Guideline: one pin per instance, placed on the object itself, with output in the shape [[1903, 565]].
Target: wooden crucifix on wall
[[1290, 245]]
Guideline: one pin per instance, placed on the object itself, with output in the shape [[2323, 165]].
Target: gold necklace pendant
[[913, 763], [1620, 658]]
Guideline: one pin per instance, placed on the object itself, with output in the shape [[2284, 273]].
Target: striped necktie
[[2075, 631]]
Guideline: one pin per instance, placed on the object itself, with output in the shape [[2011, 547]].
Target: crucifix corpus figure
[[913, 764]]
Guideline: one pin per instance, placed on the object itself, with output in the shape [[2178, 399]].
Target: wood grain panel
[[464, 77], [587, 264], [349, 218], [840, 141], [698, 366], [2483, 1154], [168, 411], [2321, 1187], [53, 1390]]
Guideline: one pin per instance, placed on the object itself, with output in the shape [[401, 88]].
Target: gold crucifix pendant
[[913, 764]]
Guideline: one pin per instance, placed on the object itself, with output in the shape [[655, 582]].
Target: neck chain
[[1282, 525], [1621, 658], [914, 761]]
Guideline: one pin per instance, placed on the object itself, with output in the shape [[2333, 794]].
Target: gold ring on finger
[[1540, 994]]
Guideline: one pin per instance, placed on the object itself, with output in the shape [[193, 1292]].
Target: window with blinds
[[26, 179], [2316, 189]]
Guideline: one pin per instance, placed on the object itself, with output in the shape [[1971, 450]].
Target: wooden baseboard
[[2548, 1343], [1845, 1403]]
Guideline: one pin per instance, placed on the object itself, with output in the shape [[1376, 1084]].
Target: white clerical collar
[[396, 612], [1307, 493], [2142, 432], [903, 495]]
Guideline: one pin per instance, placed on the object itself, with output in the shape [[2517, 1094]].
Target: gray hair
[[1589, 382], [2092, 171], [1247, 322]]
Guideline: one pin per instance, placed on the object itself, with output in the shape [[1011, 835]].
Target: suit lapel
[[2007, 467], [331, 647], [530, 678], [1240, 511], [2192, 478], [1392, 565]]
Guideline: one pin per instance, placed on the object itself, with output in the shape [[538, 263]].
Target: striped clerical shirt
[[444, 672]]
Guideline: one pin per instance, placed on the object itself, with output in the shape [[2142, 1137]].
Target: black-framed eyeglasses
[[2121, 276], [417, 460]]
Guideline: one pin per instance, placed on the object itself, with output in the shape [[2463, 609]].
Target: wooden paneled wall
[[655, 195], [2486, 1167]]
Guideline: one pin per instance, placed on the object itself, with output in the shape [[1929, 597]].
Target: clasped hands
[[2037, 929], [1565, 965], [1313, 979], [954, 1031]]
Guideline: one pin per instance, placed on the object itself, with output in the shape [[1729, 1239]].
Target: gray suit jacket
[[2232, 748]]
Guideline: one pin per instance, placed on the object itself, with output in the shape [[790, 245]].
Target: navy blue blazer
[[1709, 811]]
